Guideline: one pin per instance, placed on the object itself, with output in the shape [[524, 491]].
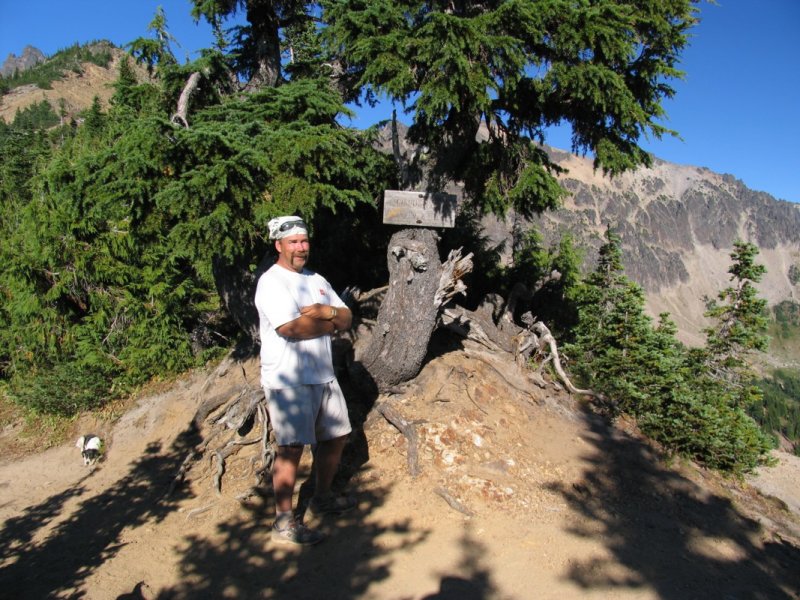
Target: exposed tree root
[[198, 511], [500, 333], [408, 430], [545, 340], [228, 422], [453, 502]]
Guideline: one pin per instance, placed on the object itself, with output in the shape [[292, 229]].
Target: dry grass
[[25, 432]]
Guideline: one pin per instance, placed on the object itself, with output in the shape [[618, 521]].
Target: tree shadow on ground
[[241, 561], [667, 532], [90, 535]]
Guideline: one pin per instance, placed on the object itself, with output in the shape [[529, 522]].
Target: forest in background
[[121, 227]]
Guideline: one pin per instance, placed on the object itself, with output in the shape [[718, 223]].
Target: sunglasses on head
[[289, 224]]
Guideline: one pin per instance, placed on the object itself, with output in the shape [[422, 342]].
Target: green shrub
[[794, 274], [63, 389], [787, 313], [779, 410]]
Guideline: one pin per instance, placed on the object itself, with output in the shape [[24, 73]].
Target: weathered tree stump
[[407, 315]]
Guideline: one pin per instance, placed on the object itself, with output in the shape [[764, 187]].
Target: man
[[298, 312]]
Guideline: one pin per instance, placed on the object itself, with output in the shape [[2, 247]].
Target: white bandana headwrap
[[281, 227]]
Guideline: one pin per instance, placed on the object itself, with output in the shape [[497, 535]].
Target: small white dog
[[91, 448]]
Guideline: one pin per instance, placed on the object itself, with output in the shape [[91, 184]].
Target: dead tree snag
[[419, 285]]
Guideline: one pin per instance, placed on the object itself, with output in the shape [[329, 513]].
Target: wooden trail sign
[[423, 209]]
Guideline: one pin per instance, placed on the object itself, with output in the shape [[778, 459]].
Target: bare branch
[[453, 502], [186, 95]]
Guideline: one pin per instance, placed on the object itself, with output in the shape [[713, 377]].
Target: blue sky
[[736, 110]]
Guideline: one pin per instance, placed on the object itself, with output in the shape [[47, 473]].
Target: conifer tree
[[93, 122], [615, 341], [739, 319], [647, 373], [156, 50], [710, 418], [22, 148], [551, 277], [514, 68]]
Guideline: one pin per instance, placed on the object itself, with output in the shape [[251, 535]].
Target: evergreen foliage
[[488, 276], [740, 321], [35, 117], [676, 395], [778, 412], [155, 51], [515, 68], [22, 148], [787, 318], [113, 247], [551, 277], [794, 274]]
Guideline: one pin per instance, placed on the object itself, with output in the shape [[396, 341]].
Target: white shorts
[[307, 414]]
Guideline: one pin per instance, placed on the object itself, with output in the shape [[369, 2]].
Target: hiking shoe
[[289, 531], [331, 504]]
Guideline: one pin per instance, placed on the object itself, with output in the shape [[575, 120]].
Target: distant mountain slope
[[77, 89], [678, 224]]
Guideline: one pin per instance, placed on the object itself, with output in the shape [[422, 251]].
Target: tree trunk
[[265, 27], [236, 287], [407, 316]]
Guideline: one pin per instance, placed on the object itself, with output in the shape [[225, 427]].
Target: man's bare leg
[[326, 459], [284, 476], [286, 528]]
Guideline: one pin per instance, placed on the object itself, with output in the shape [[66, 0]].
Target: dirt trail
[[560, 503]]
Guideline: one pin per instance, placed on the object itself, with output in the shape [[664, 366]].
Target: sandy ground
[[522, 494]]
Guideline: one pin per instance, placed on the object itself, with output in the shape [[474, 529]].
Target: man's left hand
[[323, 312]]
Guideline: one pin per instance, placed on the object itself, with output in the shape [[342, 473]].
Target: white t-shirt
[[287, 362]]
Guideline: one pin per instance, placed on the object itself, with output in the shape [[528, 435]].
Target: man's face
[[293, 252]]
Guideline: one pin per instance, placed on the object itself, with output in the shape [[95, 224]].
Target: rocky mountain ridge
[[678, 224], [30, 57]]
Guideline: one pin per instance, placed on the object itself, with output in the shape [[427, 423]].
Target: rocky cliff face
[[30, 58], [677, 225]]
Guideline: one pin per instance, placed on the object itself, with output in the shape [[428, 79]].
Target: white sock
[[283, 516]]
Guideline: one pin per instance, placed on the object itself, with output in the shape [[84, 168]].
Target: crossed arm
[[316, 320]]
